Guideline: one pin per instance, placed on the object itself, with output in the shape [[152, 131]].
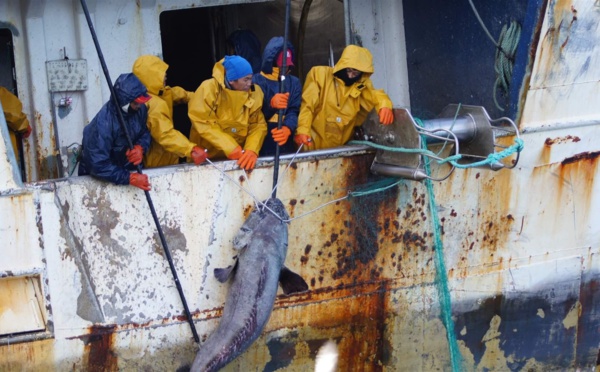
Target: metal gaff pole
[[282, 71], [139, 170]]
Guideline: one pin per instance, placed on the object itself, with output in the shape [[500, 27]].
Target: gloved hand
[[302, 139], [235, 154], [27, 132], [280, 100], [281, 135], [139, 180], [386, 116], [135, 155], [248, 160], [198, 155]]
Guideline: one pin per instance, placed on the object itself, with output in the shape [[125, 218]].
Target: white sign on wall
[[67, 75]]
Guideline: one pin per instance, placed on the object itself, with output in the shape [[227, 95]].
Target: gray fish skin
[[262, 241]]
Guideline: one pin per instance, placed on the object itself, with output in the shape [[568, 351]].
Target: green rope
[[506, 48], [492, 158], [442, 278], [380, 186]]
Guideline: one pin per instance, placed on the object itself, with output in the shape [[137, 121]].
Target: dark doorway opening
[[8, 81], [7, 61], [187, 43]]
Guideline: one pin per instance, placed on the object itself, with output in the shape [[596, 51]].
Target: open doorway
[[194, 39], [8, 81]]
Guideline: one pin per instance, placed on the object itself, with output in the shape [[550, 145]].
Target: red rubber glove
[[281, 135], [235, 154], [139, 180], [280, 100], [198, 155], [27, 132], [302, 139], [386, 116], [248, 160], [135, 155]]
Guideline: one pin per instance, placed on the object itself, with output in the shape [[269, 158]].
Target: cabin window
[[21, 309], [193, 40]]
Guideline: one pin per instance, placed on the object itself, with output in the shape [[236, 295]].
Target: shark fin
[[223, 275], [291, 282]]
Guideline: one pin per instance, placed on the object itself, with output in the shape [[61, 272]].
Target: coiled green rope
[[506, 48]]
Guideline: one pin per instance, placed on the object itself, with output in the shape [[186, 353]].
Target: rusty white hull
[[84, 284]]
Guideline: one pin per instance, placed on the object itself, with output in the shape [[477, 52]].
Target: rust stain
[[99, 355], [557, 140], [357, 324], [583, 156], [247, 210]]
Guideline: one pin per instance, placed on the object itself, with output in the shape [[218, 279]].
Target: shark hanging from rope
[[262, 241]]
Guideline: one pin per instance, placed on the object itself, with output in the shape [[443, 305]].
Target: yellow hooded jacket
[[168, 144], [15, 118], [330, 110], [223, 119]]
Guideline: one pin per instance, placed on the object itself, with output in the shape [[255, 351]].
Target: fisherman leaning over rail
[[106, 154], [268, 80], [168, 144], [15, 117], [226, 115], [337, 99]]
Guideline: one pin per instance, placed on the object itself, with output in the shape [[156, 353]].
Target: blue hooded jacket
[[105, 143], [246, 44], [271, 87]]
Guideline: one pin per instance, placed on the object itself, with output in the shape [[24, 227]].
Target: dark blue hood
[[246, 44], [127, 88], [273, 48]]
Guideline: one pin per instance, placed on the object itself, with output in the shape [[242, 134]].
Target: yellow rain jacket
[[330, 110], [168, 144], [223, 119], [15, 118]]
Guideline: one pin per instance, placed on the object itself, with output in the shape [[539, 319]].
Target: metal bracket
[[468, 128]]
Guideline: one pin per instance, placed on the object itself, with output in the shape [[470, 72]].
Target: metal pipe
[[282, 72], [464, 128], [347, 23], [139, 170]]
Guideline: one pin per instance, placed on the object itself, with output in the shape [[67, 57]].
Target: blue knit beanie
[[236, 67]]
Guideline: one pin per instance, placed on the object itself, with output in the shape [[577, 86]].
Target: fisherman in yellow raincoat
[[226, 113], [168, 144], [337, 99], [15, 118]]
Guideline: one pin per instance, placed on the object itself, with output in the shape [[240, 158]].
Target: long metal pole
[[139, 170], [282, 75]]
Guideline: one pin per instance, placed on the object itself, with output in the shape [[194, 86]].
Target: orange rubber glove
[[198, 155], [139, 180], [135, 155], [235, 154], [386, 116], [281, 135], [248, 160], [280, 100], [27, 132], [302, 139]]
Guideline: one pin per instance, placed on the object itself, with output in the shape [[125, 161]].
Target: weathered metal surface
[[565, 78], [520, 246]]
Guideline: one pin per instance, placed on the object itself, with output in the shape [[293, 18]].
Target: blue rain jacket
[[269, 87], [105, 143], [246, 44]]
